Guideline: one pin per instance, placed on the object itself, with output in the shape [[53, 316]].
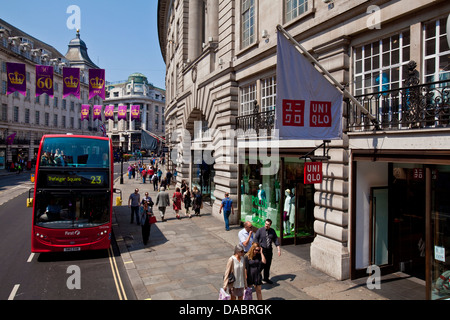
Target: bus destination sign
[[94, 179]]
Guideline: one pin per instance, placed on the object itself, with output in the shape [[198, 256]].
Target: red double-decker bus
[[73, 194]]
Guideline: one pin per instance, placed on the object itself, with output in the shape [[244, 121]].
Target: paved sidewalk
[[186, 259]]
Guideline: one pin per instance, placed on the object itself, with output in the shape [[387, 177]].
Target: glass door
[[380, 226], [297, 204], [440, 220]]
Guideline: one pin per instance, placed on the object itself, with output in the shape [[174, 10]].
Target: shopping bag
[[152, 219], [248, 294], [223, 295]]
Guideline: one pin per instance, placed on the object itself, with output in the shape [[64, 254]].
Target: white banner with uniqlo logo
[[308, 105]]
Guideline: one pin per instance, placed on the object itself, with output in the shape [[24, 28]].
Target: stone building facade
[[31, 117], [221, 78], [136, 90]]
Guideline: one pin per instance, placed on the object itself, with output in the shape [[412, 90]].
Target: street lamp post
[[121, 165]]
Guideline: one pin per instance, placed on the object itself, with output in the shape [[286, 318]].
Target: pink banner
[[44, 80], [17, 80], [122, 113], [97, 83], [71, 82], [84, 112], [10, 138], [109, 113], [135, 115], [97, 111]]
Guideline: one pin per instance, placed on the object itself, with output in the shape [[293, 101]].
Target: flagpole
[[335, 82]]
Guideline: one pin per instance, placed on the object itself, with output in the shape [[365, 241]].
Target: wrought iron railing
[[259, 123], [416, 106]]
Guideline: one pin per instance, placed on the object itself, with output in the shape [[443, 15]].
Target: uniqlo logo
[[293, 113], [320, 114]]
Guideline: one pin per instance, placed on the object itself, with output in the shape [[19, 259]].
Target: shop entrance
[[203, 178], [397, 221], [298, 224], [281, 197], [402, 220], [407, 208]]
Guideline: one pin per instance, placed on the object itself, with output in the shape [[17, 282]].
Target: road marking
[[30, 258], [116, 276], [13, 292]]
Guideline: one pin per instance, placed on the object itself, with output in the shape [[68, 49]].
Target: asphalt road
[[94, 275]]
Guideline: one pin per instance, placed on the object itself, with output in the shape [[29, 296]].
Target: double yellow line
[[116, 275]]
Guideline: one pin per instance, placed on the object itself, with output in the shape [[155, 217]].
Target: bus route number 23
[[96, 180]]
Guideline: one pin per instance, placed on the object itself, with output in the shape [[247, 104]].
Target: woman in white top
[[236, 265]]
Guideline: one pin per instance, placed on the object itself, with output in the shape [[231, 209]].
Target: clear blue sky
[[121, 35]]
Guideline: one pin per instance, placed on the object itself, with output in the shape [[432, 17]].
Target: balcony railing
[[417, 106], [259, 123]]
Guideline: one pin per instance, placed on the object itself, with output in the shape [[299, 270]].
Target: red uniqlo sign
[[312, 173], [320, 114], [293, 113]]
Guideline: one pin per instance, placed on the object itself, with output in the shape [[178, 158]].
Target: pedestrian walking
[[133, 171], [162, 201], [187, 201], [163, 184], [159, 173], [168, 177], [255, 262], [197, 202], [147, 212], [266, 236], [150, 172], [184, 186], [176, 198], [227, 206], [134, 201], [235, 279], [155, 182], [246, 236], [130, 171], [143, 174], [146, 197]]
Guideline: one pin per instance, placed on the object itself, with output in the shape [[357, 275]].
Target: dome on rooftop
[[138, 78]]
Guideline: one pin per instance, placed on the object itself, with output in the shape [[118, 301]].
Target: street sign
[[312, 173]]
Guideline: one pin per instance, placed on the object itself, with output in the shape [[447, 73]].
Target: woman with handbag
[[177, 202], [187, 201], [255, 261], [147, 218], [197, 202], [235, 278]]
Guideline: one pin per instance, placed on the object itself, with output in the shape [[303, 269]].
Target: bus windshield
[[74, 152], [76, 209]]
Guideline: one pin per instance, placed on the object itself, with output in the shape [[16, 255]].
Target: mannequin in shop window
[[292, 215], [261, 195], [287, 210]]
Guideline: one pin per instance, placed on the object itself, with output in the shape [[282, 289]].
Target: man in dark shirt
[[265, 236]]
